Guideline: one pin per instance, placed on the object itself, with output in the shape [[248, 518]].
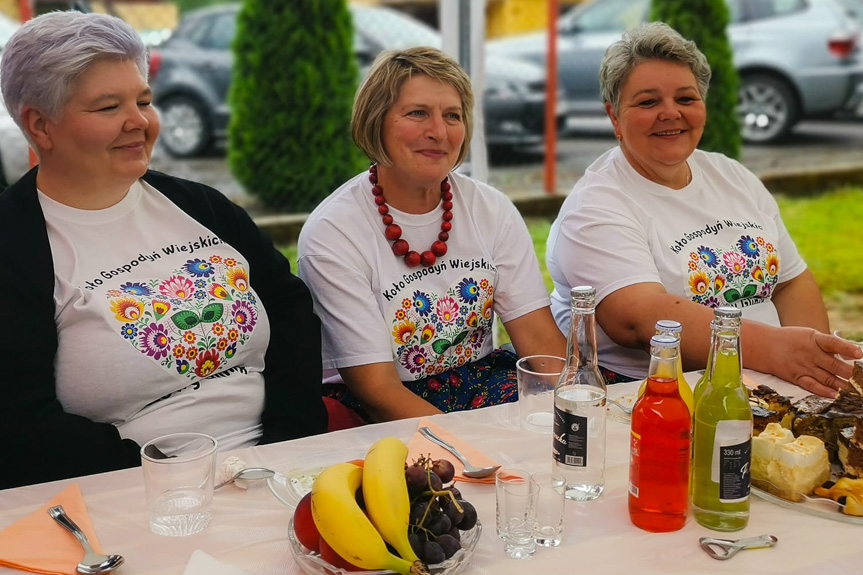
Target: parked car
[[796, 58], [191, 72], [14, 154]]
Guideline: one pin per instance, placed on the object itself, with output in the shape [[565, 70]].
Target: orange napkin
[[39, 544], [419, 445]]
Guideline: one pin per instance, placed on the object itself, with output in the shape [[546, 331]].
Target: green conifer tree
[[705, 22], [294, 78]]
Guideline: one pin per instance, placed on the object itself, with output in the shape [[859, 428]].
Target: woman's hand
[[382, 394], [808, 359]]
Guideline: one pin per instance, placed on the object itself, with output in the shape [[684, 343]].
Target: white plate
[[312, 564], [290, 486], [811, 505], [617, 414]]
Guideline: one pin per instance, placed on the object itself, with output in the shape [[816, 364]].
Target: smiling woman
[[409, 263], [666, 231], [145, 304]]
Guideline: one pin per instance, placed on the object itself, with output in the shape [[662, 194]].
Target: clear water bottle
[[578, 445]]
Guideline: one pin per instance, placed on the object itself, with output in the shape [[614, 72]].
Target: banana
[[386, 494], [345, 527]]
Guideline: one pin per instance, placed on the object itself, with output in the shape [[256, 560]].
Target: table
[[248, 528]]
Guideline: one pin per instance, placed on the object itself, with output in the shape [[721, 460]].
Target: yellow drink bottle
[[673, 328], [722, 437]]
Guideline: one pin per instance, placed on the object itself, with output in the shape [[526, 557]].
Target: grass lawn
[[828, 231]]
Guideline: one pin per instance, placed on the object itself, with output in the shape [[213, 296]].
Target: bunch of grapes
[[438, 512]]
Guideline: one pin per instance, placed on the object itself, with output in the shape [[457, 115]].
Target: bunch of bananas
[[358, 538]]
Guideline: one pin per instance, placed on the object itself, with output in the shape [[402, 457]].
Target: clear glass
[[550, 508], [722, 439], [516, 499], [537, 376], [578, 443], [179, 471], [659, 445]]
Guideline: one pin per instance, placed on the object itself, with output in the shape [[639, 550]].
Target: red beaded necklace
[[394, 233]]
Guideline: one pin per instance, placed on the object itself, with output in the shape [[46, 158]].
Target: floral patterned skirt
[[490, 380]]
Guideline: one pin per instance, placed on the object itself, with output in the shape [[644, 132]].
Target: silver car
[[796, 58]]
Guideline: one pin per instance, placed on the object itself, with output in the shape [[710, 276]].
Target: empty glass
[[516, 498], [537, 375], [550, 505]]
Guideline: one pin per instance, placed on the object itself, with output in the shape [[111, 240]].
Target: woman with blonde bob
[[409, 263]]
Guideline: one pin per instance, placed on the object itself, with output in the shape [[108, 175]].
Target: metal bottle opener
[[723, 549]]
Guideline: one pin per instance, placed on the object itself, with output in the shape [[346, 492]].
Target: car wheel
[[185, 129], [767, 108]]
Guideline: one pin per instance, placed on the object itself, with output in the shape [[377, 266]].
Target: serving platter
[[811, 505]]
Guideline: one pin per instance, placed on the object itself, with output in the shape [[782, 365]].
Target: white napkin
[[202, 564]]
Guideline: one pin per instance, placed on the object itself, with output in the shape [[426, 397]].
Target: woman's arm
[[382, 394], [799, 355], [535, 333], [798, 302]]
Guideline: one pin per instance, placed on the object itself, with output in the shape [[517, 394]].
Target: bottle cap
[[582, 292], [663, 341], [668, 326], [727, 312]]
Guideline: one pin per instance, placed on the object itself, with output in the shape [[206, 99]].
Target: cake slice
[[856, 380], [798, 468], [763, 446], [851, 450], [810, 417]]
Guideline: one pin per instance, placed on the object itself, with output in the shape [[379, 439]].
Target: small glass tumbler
[[852, 336], [179, 470], [537, 376], [550, 506], [516, 508]]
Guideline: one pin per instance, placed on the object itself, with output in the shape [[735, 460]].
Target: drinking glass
[[179, 470], [548, 530], [853, 336], [516, 498], [537, 375]]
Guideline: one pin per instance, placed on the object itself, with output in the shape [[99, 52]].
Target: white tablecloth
[[248, 528]]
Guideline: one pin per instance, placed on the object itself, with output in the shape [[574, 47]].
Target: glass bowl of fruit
[[312, 563], [442, 528]]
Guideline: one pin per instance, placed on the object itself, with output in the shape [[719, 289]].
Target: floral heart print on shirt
[[435, 333], [191, 321], [741, 275]]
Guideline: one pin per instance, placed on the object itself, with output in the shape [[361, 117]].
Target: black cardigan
[[41, 442]]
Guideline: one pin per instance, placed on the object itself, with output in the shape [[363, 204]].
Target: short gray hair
[[649, 41], [45, 56]]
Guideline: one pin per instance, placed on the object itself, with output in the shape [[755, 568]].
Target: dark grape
[[444, 469], [434, 481], [449, 544], [416, 543], [455, 533], [450, 509], [455, 491], [439, 524], [416, 479], [433, 553], [469, 518]]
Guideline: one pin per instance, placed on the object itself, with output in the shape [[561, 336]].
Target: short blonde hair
[[380, 90]]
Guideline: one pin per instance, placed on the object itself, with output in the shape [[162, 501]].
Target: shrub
[[705, 23], [293, 82]]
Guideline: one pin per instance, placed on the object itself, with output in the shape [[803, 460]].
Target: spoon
[[624, 408], [92, 562], [248, 473], [469, 470]]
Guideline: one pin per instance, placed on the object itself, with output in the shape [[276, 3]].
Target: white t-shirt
[[373, 308], [159, 330], [718, 241]]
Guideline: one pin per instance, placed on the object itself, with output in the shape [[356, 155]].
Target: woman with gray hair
[[666, 231], [409, 263], [136, 304]]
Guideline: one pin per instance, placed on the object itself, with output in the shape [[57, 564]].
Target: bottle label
[[634, 449], [569, 445], [732, 452]]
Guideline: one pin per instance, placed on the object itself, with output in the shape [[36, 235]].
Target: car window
[[735, 11], [761, 9], [392, 30], [606, 16], [221, 32]]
